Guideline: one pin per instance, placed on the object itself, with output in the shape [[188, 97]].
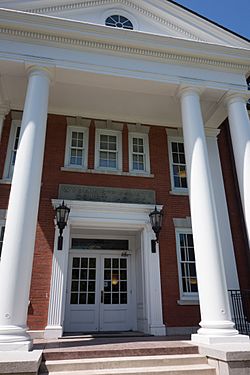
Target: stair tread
[[191, 369], [124, 359]]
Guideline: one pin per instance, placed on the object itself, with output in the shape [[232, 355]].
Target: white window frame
[[8, 173], [118, 135], [70, 130], [2, 225], [188, 296], [146, 153], [178, 190]]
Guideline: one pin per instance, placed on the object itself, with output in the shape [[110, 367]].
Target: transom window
[[178, 167], [2, 228], [187, 269], [76, 153], [119, 21]]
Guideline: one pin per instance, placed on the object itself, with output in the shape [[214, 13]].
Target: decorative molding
[[183, 223], [78, 121], [138, 128], [152, 53], [93, 3]]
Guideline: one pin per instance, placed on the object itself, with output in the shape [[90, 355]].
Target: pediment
[[154, 17]]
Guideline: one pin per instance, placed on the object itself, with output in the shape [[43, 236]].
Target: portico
[[99, 74]]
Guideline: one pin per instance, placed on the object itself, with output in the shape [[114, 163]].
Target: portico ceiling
[[102, 96]]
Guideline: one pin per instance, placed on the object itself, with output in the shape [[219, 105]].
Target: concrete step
[[122, 362], [81, 349], [198, 369]]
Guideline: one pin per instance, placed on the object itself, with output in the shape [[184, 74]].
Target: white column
[[240, 134], [20, 230], [152, 281], [54, 328], [216, 324], [222, 210]]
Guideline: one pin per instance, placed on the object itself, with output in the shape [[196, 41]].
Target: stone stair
[[177, 364]]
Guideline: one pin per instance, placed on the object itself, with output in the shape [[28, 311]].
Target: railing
[[240, 304]]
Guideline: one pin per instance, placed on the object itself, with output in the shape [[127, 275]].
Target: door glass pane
[[115, 281], [83, 284]]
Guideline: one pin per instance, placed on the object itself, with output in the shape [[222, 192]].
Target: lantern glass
[[156, 221], [62, 215]]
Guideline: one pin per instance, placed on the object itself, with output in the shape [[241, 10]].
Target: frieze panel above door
[[106, 194]]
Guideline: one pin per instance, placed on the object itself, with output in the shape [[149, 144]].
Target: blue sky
[[232, 14]]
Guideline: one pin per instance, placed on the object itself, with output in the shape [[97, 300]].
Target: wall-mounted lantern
[[62, 215], [156, 223]]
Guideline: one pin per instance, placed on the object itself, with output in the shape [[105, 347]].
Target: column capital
[[39, 70], [189, 90], [236, 97]]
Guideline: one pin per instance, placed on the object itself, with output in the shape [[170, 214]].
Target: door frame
[[100, 255], [125, 218]]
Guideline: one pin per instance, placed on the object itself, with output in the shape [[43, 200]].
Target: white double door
[[99, 292]]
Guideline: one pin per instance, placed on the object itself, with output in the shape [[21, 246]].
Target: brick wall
[[175, 207]]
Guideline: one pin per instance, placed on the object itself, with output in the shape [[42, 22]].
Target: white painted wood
[[18, 249], [54, 328], [240, 134], [216, 321], [99, 316], [222, 211]]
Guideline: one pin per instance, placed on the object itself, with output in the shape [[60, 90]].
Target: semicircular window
[[119, 21]]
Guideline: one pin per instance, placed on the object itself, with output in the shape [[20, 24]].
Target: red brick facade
[[176, 206]]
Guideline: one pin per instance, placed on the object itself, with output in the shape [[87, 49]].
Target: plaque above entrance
[[106, 194]]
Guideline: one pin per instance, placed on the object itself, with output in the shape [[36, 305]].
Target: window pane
[[188, 270], [179, 165]]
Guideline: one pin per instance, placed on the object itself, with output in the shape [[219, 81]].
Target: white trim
[[184, 296], [175, 190], [146, 170], [7, 175], [70, 130], [118, 135], [122, 12], [108, 216]]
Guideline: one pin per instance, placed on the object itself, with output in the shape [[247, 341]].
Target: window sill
[[72, 169], [188, 302], [5, 182], [105, 171], [179, 192]]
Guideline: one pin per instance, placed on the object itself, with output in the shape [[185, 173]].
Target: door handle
[[101, 296]]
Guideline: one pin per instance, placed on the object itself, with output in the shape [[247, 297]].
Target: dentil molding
[[115, 47]]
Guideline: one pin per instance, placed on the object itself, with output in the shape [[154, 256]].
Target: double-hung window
[[138, 153], [12, 149], [186, 264], [76, 149], [2, 228], [108, 150], [178, 165]]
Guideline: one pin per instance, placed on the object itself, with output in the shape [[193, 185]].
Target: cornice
[[118, 47], [94, 3]]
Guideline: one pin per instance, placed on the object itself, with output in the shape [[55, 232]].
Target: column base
[[210, 339], [14, 338], [157, 330], [53, 332]]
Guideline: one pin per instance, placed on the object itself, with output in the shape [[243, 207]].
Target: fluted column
[[216, 324], [240, 134], [20, 230]]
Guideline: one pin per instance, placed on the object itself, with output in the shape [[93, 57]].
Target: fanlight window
[[119, 21]]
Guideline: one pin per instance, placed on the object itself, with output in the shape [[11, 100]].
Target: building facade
[[115, 107]]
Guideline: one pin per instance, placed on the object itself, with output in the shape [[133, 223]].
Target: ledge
[[111, 172], [177, 192], [5, 182], [188, 302]]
